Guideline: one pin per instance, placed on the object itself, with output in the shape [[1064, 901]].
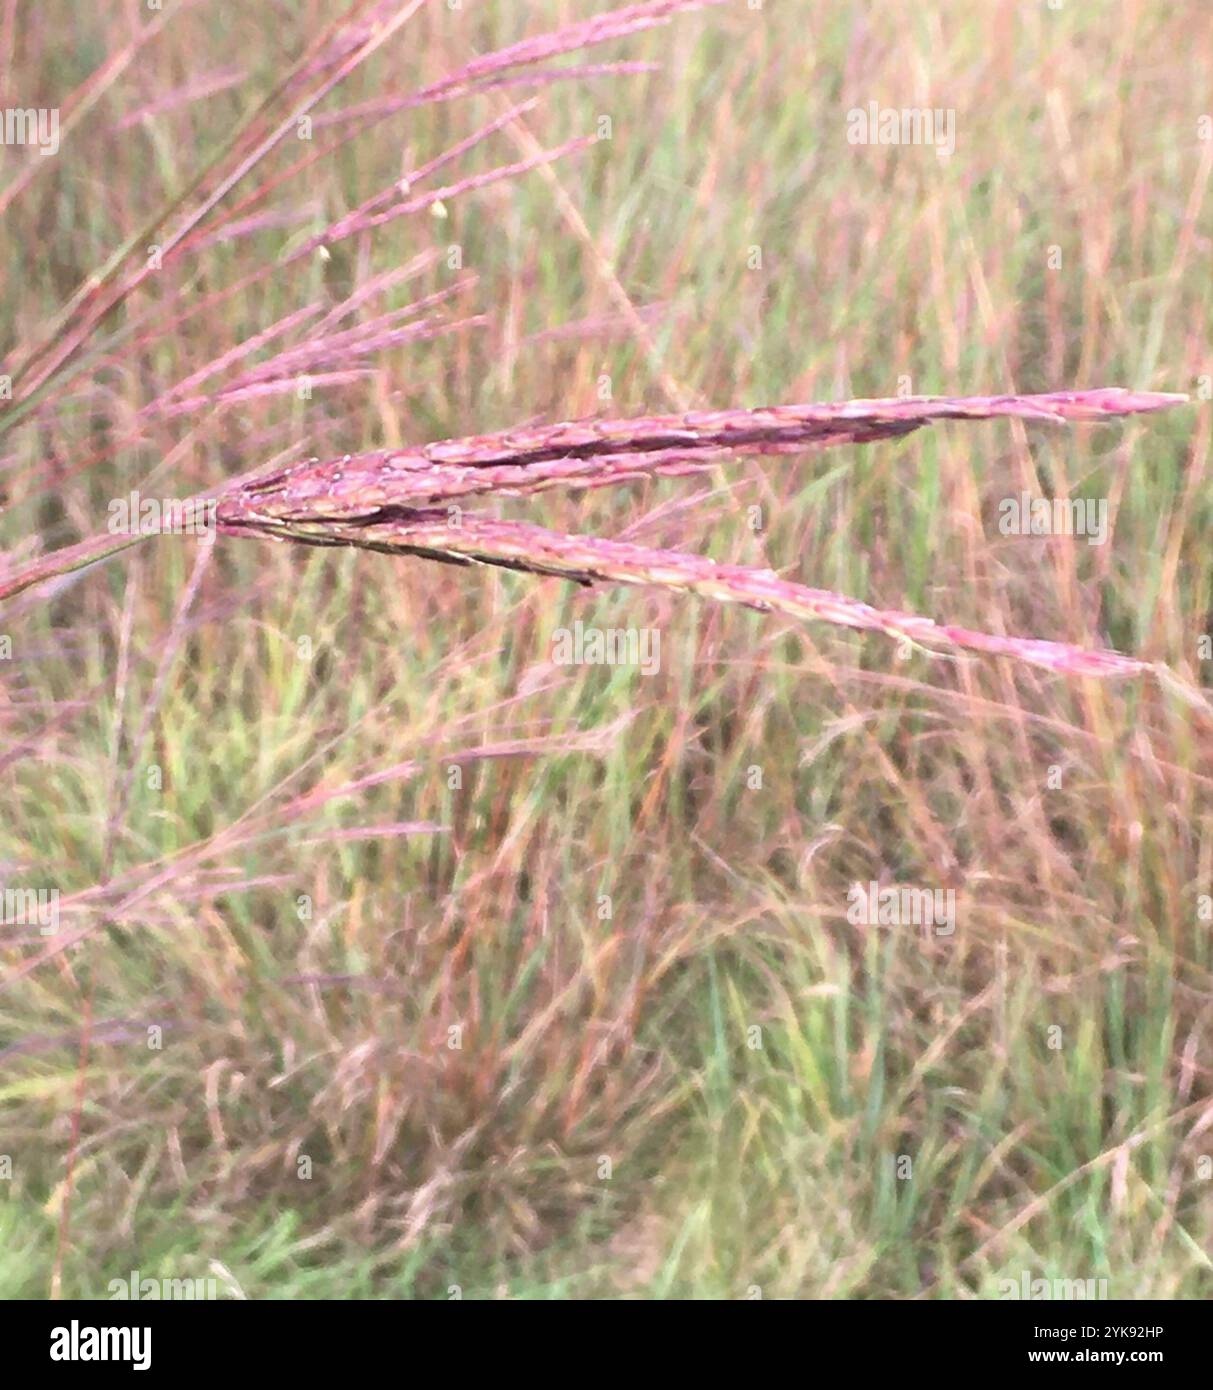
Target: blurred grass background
[[608, 1031]]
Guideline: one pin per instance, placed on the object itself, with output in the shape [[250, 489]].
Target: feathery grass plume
[[192, 214], [386, 501]]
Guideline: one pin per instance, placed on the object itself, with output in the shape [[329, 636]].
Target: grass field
[[396, 958]]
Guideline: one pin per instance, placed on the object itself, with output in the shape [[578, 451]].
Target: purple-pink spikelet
[[404, 502]]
